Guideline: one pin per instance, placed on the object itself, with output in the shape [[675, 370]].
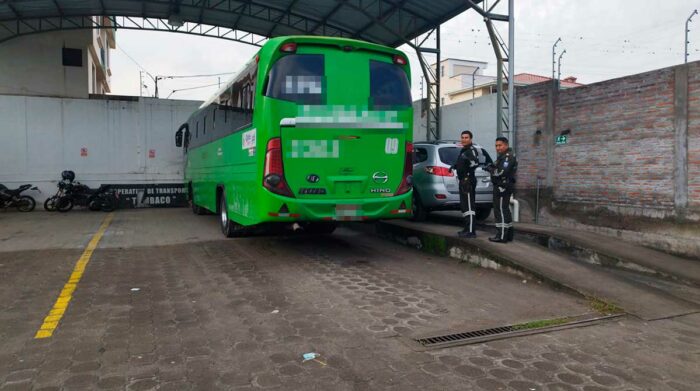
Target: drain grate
[[483, 335], [452, 338]]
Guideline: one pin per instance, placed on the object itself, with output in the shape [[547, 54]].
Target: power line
[[191, 76], [191, 88]]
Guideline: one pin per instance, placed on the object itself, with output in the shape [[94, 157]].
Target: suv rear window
[[448, 155], [388, 85], [298, 78]]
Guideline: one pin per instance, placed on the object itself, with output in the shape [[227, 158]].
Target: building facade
[[462, 80], [63, 64]]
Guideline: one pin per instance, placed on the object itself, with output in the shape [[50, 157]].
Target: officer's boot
[[499, 238], [465, 233], [509, 234]]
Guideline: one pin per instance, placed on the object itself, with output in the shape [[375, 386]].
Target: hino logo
[[313, 178], [380, 177]]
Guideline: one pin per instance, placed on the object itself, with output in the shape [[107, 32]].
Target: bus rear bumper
[[294, 209]]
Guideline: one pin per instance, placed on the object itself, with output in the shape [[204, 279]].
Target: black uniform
[[503, 179], [466, 164]]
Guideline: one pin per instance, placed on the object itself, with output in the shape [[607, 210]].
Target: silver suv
[[435, 187]]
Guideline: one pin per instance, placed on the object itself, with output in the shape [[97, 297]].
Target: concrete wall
[[32, 65], [477, 115], [633, 147], [103, 141]]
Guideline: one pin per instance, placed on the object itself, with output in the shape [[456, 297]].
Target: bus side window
[[204, 128], [196, 132]]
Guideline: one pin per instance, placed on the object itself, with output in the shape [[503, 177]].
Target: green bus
[[313, 130]]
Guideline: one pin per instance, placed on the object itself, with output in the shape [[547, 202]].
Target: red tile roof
[[529, 78]]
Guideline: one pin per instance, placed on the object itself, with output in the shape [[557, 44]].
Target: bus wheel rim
[[224, 215]]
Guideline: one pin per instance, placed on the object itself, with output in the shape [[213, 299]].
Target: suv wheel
[[482, 213], [419, 211]]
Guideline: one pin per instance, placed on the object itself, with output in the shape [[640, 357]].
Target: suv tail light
[[439, 171], [273, 174], [407, 180]]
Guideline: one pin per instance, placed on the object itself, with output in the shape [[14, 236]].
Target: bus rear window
[[388, 85], [298, 78]]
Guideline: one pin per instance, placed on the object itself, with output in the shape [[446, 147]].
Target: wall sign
[[83, 152], [563, 139], [156, 195]]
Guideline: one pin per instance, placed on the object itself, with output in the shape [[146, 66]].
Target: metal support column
[[432, 80], [505, 53]]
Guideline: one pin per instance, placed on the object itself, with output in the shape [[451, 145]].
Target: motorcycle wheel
[[26, 204], [50, 204], [64, 204], [109, 203], [95, 204]]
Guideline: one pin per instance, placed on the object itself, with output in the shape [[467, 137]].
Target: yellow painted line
[[59, 308]]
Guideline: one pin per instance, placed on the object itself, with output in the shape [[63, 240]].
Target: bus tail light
[[289, 47], [398, 59], [406, 181], [273, 174]]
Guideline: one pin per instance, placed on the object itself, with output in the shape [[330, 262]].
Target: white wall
[[477, 115], [43, 136], [33, 65]]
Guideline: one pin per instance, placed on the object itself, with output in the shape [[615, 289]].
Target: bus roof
[[276, 42]]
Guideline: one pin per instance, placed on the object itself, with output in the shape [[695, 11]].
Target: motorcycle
[[13, 198], [76, 193], [50, 203]]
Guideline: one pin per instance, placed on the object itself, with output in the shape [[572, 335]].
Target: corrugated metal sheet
[[388, 22]]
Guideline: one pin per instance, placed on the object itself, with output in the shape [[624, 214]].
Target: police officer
[[503, 179], [467, 162]]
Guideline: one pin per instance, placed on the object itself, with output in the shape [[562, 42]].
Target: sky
[[603, 39]]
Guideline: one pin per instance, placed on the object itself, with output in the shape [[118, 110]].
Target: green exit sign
[[563, 139]]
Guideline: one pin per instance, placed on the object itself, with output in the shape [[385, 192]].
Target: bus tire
[[229, 228]]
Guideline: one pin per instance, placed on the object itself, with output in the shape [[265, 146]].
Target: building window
[[72, 57], [442, 70], [94, 79], [442, 101]]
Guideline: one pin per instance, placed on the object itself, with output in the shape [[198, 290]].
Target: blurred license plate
[[348, 212]]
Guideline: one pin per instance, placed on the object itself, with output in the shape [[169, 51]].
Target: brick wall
[[530, 118], [620, 150]]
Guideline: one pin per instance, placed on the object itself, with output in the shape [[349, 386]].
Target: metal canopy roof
[[387, 22]]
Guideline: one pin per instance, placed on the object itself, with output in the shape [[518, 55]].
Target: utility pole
[[559, 68], [156, 81], [554, 54], [695, 12], [421, 87]]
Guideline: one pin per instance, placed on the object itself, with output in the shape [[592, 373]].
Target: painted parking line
[[59, 308]]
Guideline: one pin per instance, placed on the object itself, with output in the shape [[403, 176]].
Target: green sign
[[563, 139]]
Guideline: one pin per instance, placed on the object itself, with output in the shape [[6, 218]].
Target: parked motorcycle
[[50, 203], [76, 193], [14, 198], [72, 193]]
